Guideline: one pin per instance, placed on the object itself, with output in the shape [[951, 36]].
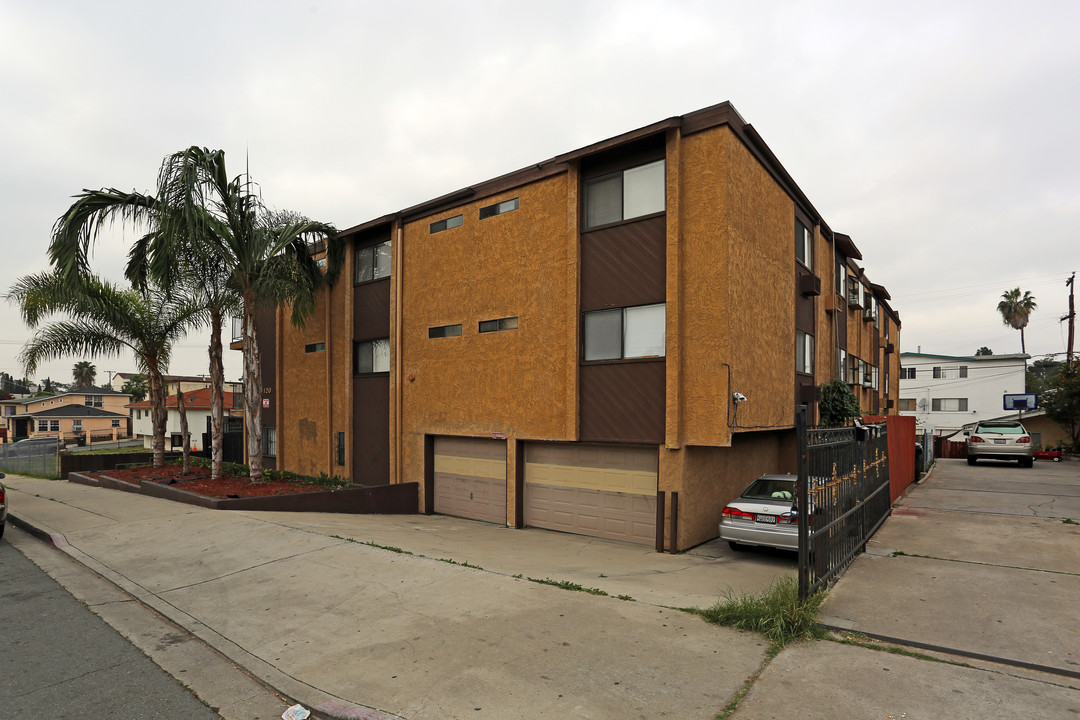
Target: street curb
[[325, 707]]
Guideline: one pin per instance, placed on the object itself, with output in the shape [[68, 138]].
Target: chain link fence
[[31, 457]]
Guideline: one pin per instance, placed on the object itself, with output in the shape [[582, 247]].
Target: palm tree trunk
[[252, 393], [217, 388], [186, 442], [158, 413], [1023, 345]]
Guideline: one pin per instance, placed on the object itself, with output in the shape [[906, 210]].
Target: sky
[[939, 135]]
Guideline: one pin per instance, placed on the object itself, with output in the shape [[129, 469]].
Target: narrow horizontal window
[[498, 208], [371, 356], [315, 347], [907, 404], [444, 331], [509, 323], [451, 222]]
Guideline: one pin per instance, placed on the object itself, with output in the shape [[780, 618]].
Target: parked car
[[764, 514], [1000, 440], [3, 505], [37, 442]]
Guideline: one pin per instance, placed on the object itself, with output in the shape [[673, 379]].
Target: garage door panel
[[591, 512], [470, 478]]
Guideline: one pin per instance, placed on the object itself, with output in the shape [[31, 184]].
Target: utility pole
[[1071, 317]]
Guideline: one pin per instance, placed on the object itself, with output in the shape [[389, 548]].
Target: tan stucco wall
[[737, 291], [303, 393], [517, 382], [707, 478]]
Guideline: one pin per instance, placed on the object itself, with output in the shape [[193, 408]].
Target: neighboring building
[[186, 383], [561, 347], [88, 413], [947, 392], [197, 405]]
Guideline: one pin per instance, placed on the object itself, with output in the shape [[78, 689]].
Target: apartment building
[[611, 342], [946, 392]]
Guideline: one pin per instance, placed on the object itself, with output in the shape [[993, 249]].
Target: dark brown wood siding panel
[[804, 304], [266, 331], [371, 430], [839, 321], [371, 310], [625, 156], [623, 402], [624, 265]]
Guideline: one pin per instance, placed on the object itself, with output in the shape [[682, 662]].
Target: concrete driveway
[[981, 560]]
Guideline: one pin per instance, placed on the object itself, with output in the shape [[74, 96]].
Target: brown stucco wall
[[303, 393], [736, 270], [516, 382], [707, 478]]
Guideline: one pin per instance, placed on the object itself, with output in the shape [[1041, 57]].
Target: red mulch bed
[[198, 481]]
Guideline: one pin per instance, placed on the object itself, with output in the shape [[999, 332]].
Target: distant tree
[[983, 351], [1016, 311], [84, 374], [47, 386], [1041, 375], [1062, 401], [838, 403], [136, 388]]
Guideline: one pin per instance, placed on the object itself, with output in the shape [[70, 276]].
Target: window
[[48, 426], [76, 425], [907, 404], [269, 442], [315, 347], [509, 323], [498, 208], [451, 222], [116, 421], [444, 331], [963, 371], [341, 448], [874, 377], [373, 262], [877, 312], [626, 333], [804, 352], [94, 401], [237, 329], [177, 440], [907, 373], [841, 276], [804, 244], [371, 356], [886, 388], [138, 414], [841, 363], [625, 195], [853, 295], [885, 324], [960, 371], [949, 404]]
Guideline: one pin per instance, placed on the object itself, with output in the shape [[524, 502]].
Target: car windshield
[[765, 488], [1001, 429]]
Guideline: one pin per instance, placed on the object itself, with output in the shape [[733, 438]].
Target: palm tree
[[84, 373], [103, 319], [204, 224], [1016, 310]]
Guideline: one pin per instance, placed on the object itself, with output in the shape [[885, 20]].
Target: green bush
[[776, 613], [838, 403]]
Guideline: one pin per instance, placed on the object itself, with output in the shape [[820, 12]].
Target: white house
[[197, 404], [946, 392]]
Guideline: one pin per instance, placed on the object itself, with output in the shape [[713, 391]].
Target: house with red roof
[[197, 407]]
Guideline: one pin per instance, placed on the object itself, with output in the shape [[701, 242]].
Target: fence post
[[804, 504]]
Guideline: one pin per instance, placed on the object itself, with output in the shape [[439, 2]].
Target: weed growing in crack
[[777, 612]]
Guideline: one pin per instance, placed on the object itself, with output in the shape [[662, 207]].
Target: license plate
[[766, 519], [998, 442]]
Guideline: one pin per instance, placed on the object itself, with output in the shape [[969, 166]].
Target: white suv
[[1000, 440]]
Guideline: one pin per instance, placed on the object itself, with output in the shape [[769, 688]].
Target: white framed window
[[841, 363], [804, 244], [632, 332], [804, 352], [76, 426], [625, 195], [874, 377], [94, 401], [116, 421], [373, 262], [371, 356]]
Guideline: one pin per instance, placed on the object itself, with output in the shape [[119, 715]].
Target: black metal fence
[[844, 481]]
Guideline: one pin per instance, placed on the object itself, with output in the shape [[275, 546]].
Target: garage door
[[600, 490], [470, 478]]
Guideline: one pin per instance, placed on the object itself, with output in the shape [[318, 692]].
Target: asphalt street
[[59, 660]]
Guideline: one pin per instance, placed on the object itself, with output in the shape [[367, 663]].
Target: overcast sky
[[940, 135]]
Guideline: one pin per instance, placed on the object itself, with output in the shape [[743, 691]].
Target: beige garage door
[[470, 478], [600, 490]]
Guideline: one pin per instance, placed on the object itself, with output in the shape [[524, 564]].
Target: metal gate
[[844, 481]]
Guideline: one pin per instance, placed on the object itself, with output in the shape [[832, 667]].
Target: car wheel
[[971, 461], [1057, 459], [735, 546], [1, 530], [1027, 462]]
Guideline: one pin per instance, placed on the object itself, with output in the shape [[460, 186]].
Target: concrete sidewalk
[[354, 630], [358, 630]]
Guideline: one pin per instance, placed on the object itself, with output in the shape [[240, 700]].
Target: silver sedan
[[763, 515]]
